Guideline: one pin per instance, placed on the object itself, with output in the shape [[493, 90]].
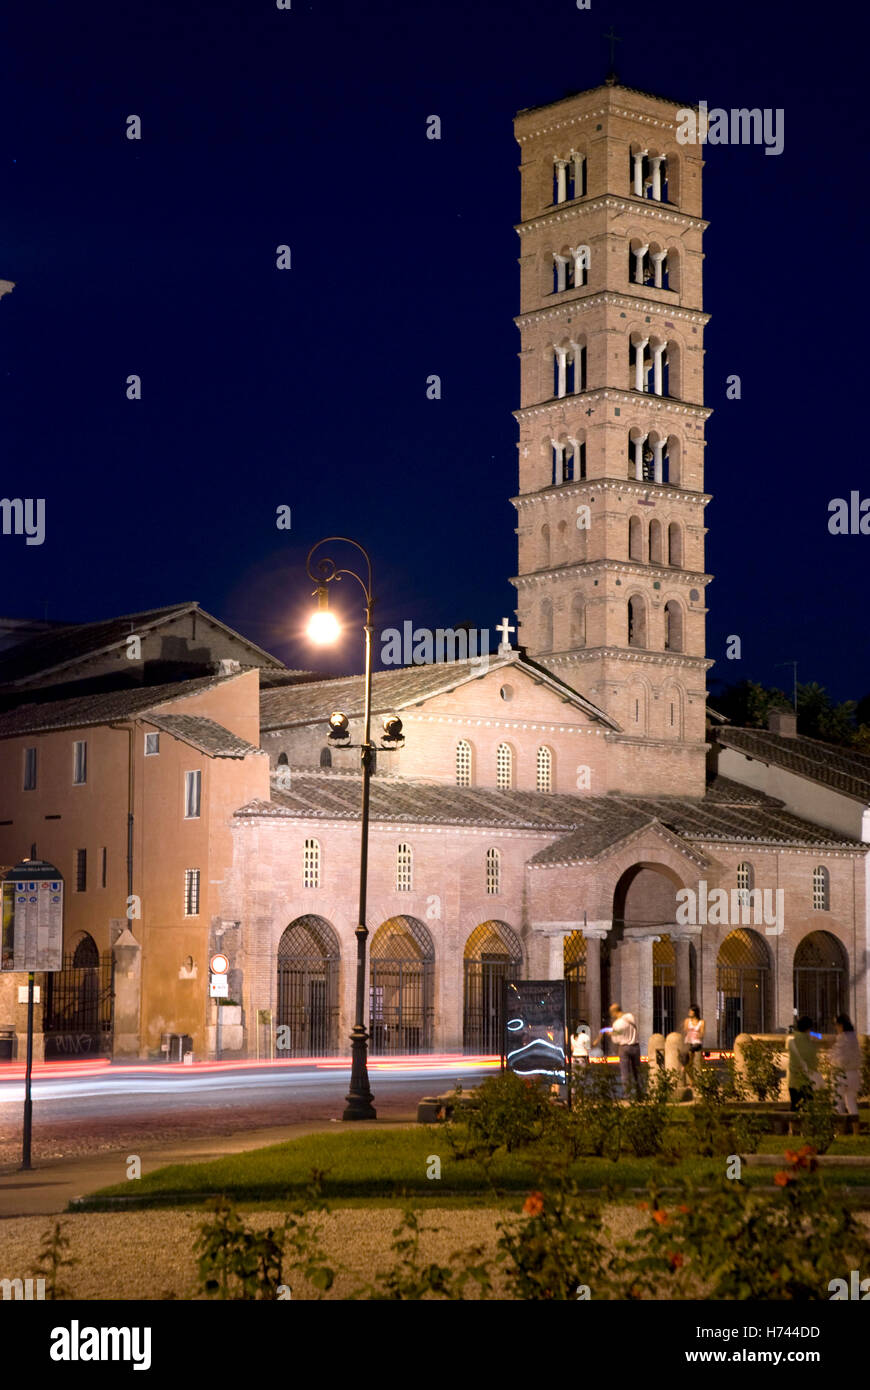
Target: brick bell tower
[[611, 500]]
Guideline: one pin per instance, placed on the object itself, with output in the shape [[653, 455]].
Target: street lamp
[[324, 628]]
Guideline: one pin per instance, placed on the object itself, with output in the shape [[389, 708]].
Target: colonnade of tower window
[[651, 175], [654, 542], [653, 367]]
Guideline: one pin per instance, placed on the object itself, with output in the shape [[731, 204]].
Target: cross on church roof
[[614, 39]]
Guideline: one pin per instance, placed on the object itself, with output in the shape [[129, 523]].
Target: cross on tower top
[[614, 39]]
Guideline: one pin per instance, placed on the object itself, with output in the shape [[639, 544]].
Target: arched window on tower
[[655, 543], [635, 538], [821, 890], [636, 622], [463, 763], [545, 770], [675, 544], [673, 627], [504, 766], [283, 760], [326, 757], [493, 871], [578, 621], [546, 626], [544, 548]]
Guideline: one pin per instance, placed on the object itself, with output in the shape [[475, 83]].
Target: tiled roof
[[308, 702], [82, 711], [205, 735], [586, 826], [65, 646], [843, 769]]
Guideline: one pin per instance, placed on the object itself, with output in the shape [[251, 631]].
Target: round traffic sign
[[219, 964]]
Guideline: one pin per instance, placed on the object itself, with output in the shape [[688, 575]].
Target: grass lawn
[[377, 1168]]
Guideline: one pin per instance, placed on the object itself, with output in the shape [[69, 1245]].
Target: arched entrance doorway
[[574, 956], [493, 954], [821, 979], [664, 986], [401, 988], [308, 956], [79, 1000], [743, 994]]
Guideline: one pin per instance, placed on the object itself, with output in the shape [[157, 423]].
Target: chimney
[[782, 722]]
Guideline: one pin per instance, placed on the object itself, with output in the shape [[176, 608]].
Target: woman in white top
[[845, 1056], [693, 1034]]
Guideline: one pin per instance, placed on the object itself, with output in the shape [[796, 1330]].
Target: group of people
[[802, 1055], [803, 1064]]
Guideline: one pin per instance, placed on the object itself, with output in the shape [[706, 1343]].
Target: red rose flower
[[534, 1204]]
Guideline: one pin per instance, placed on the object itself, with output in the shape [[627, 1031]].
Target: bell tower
[[611, 497]]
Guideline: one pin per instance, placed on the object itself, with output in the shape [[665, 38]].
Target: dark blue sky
[[307, 388]]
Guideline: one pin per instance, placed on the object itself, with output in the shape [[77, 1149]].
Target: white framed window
[[311, 864], [152, 745], [463, 763], [504, 765], [493, 871], [545, 770], [81, 870], [191, 892], [821, 890], [80, 763], [192, 795], [404, 869], [29, 769]]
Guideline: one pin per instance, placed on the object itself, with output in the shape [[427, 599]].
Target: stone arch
[[308, 960], [645, 895], [578, 620], [674, 638], [656, 543], [636, 614], [401, 988], [675, 544], [821, 979], [635, 538], [744, 994], [492, 954]]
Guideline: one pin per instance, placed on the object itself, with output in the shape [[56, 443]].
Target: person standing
[[623, 1031], [803, 1056], [693, 1036], [581, 1042], [845, 1057]]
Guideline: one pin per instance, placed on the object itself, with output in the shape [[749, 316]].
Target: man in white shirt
[[623, 1030]]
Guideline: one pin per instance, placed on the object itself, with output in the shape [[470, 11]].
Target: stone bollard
[[656, 1051], [673, 1063]]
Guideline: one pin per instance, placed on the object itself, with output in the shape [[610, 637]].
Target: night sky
[[307, 388]]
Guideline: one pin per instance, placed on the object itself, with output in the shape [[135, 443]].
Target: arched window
[[326, 757], [546, 629], [283, 760], [636, 622], [578, 621], [675, 544], [311, 864], [463, 763], [673, 627], [745, 883], [544, 547], [635, 543], [493, 871], [821, 890], [655, 543], [404, 869], [504, 765], [545, 770]]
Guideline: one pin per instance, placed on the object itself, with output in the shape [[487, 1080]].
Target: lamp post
[[323, 628]]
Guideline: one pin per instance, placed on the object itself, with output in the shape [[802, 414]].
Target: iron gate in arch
[[742, 986], [664, 986], [821, 979], [401, 988], [308, 957], [574, 957], [79, 999], [493, 954]]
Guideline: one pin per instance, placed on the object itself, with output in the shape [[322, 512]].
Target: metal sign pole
[[26, 1164]]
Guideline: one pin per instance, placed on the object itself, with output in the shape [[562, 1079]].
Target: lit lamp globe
[[323, 627]]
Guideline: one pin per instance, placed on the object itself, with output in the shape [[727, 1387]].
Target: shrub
[[738, 1243], [557, 1247], [53, 1258], [591, 1126], [508, 1112], [642, 1122], [761, 1070], [817, 1123], [237, 1262], [410, 1278]]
